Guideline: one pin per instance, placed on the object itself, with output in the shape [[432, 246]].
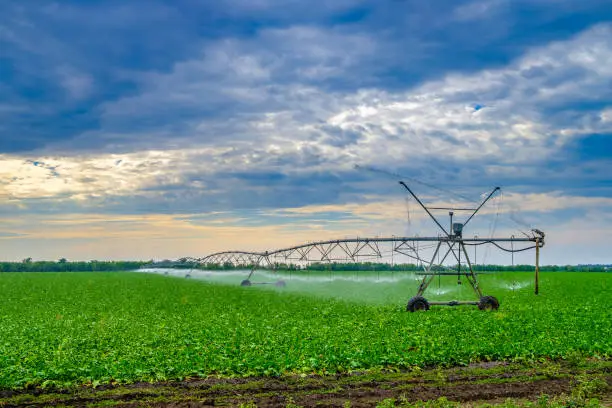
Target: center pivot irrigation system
[[429, 252]]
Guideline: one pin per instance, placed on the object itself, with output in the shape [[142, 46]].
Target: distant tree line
[[375, 266], [544, 268], [63, 265], [369, 266]]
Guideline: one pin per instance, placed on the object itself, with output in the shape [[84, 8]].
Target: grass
[[93, 328]]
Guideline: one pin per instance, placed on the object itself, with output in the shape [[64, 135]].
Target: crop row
[[67, 328]]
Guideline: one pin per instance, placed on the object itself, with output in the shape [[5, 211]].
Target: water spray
[[449, 244]]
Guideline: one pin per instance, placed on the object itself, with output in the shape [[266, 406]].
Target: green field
[[80, 328]]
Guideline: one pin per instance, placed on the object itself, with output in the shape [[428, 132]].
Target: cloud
[[91, 176], [290, 132], [77, 85], [518, 115], [222, 51], [477, 9], [569, 237], [266, 74], [5, 234], [265, 110], [103, 236]]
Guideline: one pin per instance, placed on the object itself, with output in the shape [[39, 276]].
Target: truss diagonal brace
[[480, 206], [471, 277], [425, 208]]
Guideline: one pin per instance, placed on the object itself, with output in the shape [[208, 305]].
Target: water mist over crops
[[377, 287]]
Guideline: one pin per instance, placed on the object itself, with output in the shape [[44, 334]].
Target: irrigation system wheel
[[488, 303], [417, 303], [245, 282], [280, 284]]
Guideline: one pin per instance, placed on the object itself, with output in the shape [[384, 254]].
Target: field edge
[[483, 383]]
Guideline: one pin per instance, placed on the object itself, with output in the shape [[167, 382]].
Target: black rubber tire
[[417, 303], [488, 303], [280, 284], [245, 282]]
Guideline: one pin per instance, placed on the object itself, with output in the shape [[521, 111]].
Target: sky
[[151, 129]]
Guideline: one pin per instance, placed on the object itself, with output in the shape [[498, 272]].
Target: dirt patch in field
[[487, 383], [368, 395]]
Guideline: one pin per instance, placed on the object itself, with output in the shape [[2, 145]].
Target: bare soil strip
[[489, 382]]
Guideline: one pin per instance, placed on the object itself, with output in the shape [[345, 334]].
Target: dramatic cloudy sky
[[150, 129]]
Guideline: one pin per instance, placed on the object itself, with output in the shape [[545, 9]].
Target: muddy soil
[[490, 383]]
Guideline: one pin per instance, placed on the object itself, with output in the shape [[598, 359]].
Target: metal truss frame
[[450, 244]]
